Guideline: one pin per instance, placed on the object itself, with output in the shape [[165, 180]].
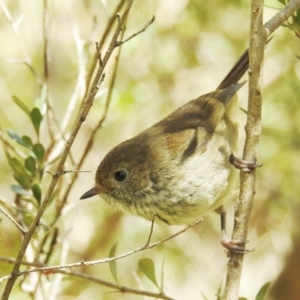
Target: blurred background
[[186, 52]]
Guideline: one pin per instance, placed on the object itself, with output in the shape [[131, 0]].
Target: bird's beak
[[90, 193]]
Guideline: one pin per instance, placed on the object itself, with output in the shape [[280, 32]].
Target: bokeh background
[[186, 52]]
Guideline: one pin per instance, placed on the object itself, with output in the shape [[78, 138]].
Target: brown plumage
[[178, 169]]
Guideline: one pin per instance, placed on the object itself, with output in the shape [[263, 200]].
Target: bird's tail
[[237, 71]]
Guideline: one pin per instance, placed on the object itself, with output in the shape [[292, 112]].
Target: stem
[[258, 37], [253, 133]]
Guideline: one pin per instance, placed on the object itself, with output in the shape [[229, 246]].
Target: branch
[[282, 16], [101, 43], [122, 289], [79, 88], [13, 220], [258, 37], [53, 269], [140, 31]]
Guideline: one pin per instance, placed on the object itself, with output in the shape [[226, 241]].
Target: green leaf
[[30, 164], [19, 190], [23, 180], [282, 1], [17, 166], [242, 298], [36, 118], [27, 141], [263, 291], [37, 192], [112, 264], [39, 151], [245, 111], [14, 136], [146, 265], [21, 104]]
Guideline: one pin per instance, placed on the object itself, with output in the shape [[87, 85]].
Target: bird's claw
[[235, 246], [244, 165]]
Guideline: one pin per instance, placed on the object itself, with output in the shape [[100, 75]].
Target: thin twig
[[151, 231], [55, 289], [105, 260], [101, 43], [122, 289], [140, 31], [14, 25], [23, 231], [80, 87]]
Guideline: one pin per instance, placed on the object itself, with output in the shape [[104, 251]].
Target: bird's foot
[[244, 165]]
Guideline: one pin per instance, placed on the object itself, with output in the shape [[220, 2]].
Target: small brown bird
[[178, 170]]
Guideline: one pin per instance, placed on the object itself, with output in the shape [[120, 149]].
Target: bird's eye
[[120, 176]]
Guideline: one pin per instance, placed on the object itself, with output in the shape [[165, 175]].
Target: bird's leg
[[151, 231], [236, 246], [244, 165]]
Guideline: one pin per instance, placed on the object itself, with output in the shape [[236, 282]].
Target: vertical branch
[[259, 34], [253, 132]]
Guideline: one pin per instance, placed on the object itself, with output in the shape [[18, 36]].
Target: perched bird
[[179, 169]]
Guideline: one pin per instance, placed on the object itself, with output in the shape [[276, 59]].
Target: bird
[[182, 167]]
